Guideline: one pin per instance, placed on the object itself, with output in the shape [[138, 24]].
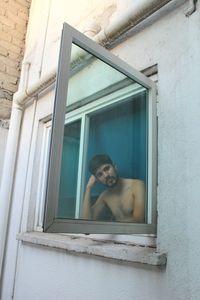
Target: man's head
[[102, 167]]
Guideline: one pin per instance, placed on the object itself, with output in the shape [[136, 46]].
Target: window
[[105, 107]]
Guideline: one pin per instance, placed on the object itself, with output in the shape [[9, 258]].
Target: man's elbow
[[139, 219]]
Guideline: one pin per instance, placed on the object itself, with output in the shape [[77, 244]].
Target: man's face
[[107, 175]]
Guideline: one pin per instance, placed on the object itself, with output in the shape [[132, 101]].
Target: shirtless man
[[124, 197]]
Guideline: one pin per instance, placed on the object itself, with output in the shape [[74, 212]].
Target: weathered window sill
[[104, 249]]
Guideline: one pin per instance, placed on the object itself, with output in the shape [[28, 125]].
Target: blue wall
[[121, 132]]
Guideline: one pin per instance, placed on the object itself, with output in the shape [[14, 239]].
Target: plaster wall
[[172, 42], [178, 60], [82, 277], [87, 16]]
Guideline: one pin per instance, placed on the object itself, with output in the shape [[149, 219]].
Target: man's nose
[[105, 173]]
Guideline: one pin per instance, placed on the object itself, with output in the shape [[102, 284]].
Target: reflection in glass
[[119, 130], [92, 78]]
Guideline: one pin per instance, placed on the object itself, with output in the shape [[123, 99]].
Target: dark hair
[[97, 161]]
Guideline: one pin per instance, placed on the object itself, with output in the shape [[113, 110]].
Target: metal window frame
[[53, 224]]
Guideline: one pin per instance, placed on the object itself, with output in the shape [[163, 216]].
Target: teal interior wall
[[121, 132]]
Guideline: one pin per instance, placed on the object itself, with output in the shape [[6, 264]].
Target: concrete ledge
[[105, 249]]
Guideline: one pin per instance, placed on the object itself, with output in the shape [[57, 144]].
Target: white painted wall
[[3, 139], [171, 42], [174, 47], [47, 18], [82, 278]]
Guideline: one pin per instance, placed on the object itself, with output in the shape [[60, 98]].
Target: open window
[[102, 106]]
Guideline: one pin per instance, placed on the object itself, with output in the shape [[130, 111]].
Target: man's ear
[[116, 168]]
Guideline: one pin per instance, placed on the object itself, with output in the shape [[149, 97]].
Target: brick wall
[[13, 23]]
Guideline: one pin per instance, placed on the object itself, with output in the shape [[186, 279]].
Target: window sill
[[120, 252]]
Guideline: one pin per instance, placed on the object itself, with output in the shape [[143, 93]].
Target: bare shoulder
[[134, 182], [136, 185]]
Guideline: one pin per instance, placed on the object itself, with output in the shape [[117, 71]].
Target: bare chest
[[121, 204]]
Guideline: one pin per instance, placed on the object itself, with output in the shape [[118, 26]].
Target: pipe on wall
[[8, 175], [128, 19]]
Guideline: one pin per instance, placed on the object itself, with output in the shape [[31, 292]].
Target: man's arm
[[91, 212], [139, 202]]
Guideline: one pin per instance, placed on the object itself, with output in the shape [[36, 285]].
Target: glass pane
[[92, 78], [118, 130], [69, 171], [121, 133]]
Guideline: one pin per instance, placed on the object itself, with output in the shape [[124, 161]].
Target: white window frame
[[51, 222], [45, 131]]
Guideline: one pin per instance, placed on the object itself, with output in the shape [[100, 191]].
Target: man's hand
[[91, 182], [87, 211]]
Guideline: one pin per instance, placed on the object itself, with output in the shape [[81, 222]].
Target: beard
[[111, 181]]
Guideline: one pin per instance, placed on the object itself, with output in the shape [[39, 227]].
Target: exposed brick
[[19, 9], [21, 28], [6, 21], [2, 11], [13, 23], [12, 71], [11, 47], [8, 78], [8, 86], [2, 67], [3, 51], [15, 18], [3, 5], [22, 15], [17, 42], [6, 95], [6, 28], [18, 35], [15, 7], [5, 108], [6, 36], [9, 62], [14, 56], [22, 2]]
